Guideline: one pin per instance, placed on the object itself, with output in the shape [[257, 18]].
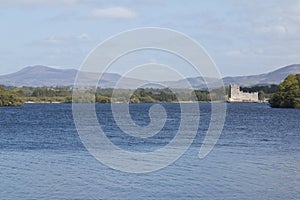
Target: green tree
[[102, 99], [261, 95], [288, 95], [9, 98]]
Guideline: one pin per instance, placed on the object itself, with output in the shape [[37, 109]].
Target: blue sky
[[242, 37]]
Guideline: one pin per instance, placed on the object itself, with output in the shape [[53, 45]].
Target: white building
[[236, 95]]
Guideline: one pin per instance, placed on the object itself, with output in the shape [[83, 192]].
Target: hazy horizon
[[133, 76], [243, 38]]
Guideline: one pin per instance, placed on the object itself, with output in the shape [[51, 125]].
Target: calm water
[[257, 156]]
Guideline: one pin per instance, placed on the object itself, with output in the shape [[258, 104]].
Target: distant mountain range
[[38, 76]]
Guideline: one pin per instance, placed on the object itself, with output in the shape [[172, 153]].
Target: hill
[[274, 77], [39, 76], [46, 76]]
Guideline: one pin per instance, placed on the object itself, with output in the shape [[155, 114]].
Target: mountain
[[39, 76], [274, 77], [46, 76]]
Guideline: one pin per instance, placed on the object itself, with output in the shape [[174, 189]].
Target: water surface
[[257, 156]]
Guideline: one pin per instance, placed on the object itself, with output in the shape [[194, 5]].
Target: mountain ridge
[[273, 77], [39, 75]]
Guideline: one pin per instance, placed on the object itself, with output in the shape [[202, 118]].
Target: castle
[[236, 95]]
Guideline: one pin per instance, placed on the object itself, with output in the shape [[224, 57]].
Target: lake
[[256, 157]]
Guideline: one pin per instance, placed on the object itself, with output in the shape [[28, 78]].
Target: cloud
[[274, 21], [37, 2], [276, 31], [234, 53], [63, 40], [64, 16], [113, 13]]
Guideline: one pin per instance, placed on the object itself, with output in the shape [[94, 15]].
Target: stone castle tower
[[236, 95]]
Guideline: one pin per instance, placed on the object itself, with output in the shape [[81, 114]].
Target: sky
[[242, 37]]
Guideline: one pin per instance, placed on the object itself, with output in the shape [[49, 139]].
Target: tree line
[[285, 93], [17, 96], [264, 91]]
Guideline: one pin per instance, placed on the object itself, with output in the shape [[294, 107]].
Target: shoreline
[[184, 102], [43, 102]]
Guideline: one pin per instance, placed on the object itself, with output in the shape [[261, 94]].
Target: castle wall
[[236, 95]]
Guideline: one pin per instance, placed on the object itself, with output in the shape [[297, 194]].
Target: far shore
[[118, 102], [45, 102]]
